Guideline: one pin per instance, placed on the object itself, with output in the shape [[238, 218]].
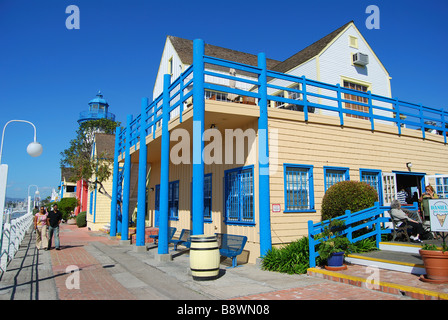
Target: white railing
[[12, 233]]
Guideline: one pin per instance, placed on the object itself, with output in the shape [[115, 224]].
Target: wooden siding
[[322, 142]]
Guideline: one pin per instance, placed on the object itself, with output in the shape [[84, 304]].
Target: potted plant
[[436, 263], [334, 245]]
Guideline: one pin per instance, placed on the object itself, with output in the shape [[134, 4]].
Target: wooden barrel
[[204, 257]]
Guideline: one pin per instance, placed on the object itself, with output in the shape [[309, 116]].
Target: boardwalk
[[91, 266]]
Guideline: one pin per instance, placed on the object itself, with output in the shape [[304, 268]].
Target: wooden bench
[[184, 239], [171, 232], [231, 246]]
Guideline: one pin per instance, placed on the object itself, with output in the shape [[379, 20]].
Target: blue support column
[[164, 169], [142, 168], [198, 142], [126, 183], [113, 203], [263, 161]]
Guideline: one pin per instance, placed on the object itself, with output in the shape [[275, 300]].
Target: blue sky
[[48, 73]]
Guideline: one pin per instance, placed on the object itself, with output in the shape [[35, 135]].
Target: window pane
[[297, 189]]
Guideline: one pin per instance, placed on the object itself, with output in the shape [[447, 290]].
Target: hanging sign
[[438, 214]]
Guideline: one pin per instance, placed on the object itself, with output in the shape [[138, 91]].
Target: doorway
[[412, 183]]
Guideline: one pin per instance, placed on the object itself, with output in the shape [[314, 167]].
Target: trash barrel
[[204, 257]]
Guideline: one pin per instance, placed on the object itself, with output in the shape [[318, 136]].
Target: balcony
[[249, 85]]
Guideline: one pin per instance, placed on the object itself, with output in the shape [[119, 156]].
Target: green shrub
[[364, 245], [292, 258], [81, 219], [347, 195]]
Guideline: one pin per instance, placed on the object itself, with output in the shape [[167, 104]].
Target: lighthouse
[[98, 109]]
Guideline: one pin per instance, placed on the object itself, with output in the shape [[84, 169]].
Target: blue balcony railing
[[87, 115], [310, 95]]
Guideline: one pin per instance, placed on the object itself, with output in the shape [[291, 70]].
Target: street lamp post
[[34, 149], [29, 197]]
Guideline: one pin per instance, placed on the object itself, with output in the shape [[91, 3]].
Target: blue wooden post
[[126, 183], [164, 169], [142, 168], [341, 111], [198, 142], [397, 115], [113, 204], [305, 98], [378, 224], [263, 160], [422, 120], [372, 120], [349, 227], [311, 244]]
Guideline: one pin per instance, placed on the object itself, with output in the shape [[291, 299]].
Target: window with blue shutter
[[299, 190], [239, 196]]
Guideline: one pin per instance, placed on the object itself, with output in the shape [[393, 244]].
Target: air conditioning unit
[[360, 59]]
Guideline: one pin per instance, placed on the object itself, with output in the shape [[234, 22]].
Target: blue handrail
[[371, 218]]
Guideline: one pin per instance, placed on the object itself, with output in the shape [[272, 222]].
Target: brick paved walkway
[[323, 291], [97, 282]]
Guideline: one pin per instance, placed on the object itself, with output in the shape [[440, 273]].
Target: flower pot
[[436, 265], [336, 259]]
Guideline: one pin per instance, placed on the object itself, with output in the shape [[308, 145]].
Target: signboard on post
[[438, 214]]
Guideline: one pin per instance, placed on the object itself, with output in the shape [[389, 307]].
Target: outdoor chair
[[399, 230], [231, 246], [184, 239]]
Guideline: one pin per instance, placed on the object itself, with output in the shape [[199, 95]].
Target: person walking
[[40, 225], [54, 218]]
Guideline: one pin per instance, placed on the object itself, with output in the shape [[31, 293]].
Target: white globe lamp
[[34, 149]]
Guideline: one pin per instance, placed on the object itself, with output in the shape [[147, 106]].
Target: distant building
[[67, 189], [98, 203]]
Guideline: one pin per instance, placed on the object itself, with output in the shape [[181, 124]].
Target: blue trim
[[164, 170], [310, 186], [157, 205], [240, 202], [206, 218], [346, 174], [380, 180], [171, 216], [91, 203], [126, 183], [94, 208], [198, 142], [263, 161], [141, 195], [210, 218]]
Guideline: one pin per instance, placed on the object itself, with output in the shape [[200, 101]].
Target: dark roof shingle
[[309, 52], [184, 49]]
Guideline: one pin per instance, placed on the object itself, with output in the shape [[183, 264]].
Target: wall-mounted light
[[409, 165], [151, 189], [212, 126]]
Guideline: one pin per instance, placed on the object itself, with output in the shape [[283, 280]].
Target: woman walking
[[40, 225]]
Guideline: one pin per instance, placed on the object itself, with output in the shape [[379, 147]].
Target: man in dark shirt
[[54, 218]]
